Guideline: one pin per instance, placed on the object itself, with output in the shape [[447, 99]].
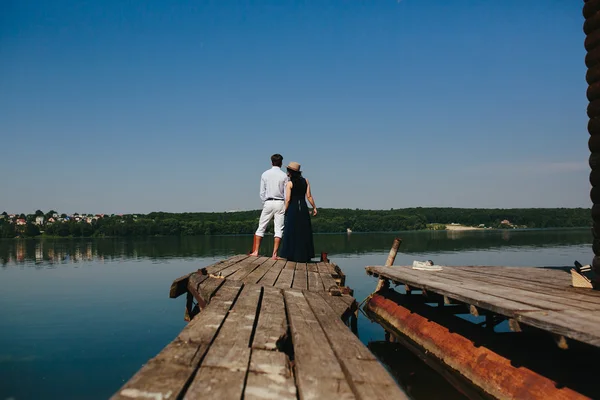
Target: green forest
[[329, 220]]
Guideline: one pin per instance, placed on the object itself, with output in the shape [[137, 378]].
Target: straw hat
[[294, 166]]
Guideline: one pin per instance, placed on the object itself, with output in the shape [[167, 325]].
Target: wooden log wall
[[591, 28]]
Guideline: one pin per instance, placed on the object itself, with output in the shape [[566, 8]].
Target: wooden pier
[[264, 329], [549, 351]]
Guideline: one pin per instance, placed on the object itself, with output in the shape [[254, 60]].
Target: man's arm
[[263, 189]]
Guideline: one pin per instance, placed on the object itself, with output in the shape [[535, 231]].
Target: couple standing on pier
[[284, 200]]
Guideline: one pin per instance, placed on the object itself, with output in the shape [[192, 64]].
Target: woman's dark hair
[[294, 175]]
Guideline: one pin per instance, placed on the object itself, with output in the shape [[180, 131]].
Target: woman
[[297, 230]]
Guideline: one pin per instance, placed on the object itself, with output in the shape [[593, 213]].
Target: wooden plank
[[272, 274], [328, 282], [342, 340], [318, 372], [290, 265], [286, 277], [563, 289], [259, 272], [312, 267], [168, 373], [193, 287], [300, 278], [179, 286], [336, 303], [574, 325], [241, 273], [205, 290], [450, 289], [271, 329], [327, 268], [540, 300], [215, 268], [315, 283], [525, 289], [216, 383], [269, 376], [233, 268], [204, 326], [229, 354]]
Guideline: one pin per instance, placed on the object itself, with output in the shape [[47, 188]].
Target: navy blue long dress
[[297, 239]]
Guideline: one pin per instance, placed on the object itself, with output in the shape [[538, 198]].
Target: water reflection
[[59, 251]]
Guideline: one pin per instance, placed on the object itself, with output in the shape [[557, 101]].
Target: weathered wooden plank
[[290, 265], [524, 289], [179, 286], [328, 281], [155, 381], [269, 376], [272, 274], [315, 283], [469, 295], [167, 374], [215, 268], [300, 278], [193, 287], [272, 326], [574, 325], [233, 268], [312, 267], [286, 276], [204, 326], [216, 383], [269, 386], [230, 351], [259, 272], [318, 372], [540, 300], [338, 305], [561, 288], [241, 273], [326, 268], [205, 289], [343, 342]]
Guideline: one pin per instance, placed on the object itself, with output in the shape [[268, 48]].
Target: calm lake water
[[79, 317]]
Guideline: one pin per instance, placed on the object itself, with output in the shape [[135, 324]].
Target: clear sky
[[137, 106]]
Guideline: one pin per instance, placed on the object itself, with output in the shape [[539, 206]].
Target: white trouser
[[271, 209]]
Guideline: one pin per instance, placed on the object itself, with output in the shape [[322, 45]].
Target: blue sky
[[137, 106]]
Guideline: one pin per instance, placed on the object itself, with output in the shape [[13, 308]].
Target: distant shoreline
[[450, 227]]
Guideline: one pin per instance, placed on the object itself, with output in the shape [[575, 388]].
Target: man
[[272, 194]]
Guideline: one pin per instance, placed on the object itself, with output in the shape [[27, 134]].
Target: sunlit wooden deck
[[264, 329], [539, 297]]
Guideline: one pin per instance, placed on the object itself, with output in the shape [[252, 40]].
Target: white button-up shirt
[[272, 184]]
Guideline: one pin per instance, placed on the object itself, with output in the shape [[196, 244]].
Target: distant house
[[51, 220], [39, 220], [505, 222], [21, 221]]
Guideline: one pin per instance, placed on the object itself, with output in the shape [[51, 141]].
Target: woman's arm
[[310, 198], [288, 194]]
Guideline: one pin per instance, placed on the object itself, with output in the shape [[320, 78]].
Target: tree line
[[329, 220]]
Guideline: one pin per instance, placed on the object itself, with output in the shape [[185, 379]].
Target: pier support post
[[393, 251]]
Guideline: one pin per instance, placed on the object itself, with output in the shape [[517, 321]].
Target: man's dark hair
[[276, 160]]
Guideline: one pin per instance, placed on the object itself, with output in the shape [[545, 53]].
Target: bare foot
[[253, 254], [277, 258]]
